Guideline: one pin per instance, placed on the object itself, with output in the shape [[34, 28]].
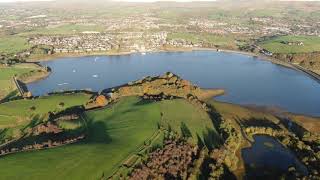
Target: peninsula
[[152, 124]]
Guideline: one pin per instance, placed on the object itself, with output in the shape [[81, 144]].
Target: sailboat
[[63, 84]]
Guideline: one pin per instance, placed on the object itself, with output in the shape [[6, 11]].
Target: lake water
[[268, 156], [247, 80]]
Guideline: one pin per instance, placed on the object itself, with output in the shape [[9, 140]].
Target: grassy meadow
[[13, 44], [114, 136], [275, 45], [16, 116], [204, 37], [19, 110], [6, 74], [64, 29]]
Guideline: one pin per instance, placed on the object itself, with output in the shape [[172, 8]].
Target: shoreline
[[37, 73], [40, 74], [273, 60], [311, 74], [47, 58]]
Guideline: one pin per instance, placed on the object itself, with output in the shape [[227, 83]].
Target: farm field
[[13, 44], [204, 37], [278, 44], [16, 116], [114, 134], [22, 109], [64, 29]]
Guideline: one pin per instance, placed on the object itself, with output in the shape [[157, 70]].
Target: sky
[[20, 0], [140, 0]]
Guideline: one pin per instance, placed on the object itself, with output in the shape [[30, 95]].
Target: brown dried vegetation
[[171, 162]]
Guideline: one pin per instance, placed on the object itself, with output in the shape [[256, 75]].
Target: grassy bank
[[18, 111], [236, 115], [42, 57], [13, 44], [114, 134], [16, 117], [241, 117], [26, 71]]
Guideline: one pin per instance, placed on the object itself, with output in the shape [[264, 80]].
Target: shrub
[[33, 108], [61, 105]]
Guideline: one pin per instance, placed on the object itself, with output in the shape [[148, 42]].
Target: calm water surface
[[247, 80]]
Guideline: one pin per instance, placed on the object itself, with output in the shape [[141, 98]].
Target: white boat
[[95, 59], [143, 53], [62, 84], [74, 71], [95, 76]]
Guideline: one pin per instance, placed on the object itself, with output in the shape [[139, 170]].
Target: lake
[[268, 156], [247, 80]]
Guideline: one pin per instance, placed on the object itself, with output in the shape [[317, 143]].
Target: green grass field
[[14, 112], [178, 111], [311, 44], [203, 37], [65, 29], [114, 134], [13, 44]]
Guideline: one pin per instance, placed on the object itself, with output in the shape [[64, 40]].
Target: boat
[[95, 76], [63, 84]]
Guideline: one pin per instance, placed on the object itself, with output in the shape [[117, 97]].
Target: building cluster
[[263, 26], [183, 43], [31, 19], [206, 24], [76, 43], [99, 42]]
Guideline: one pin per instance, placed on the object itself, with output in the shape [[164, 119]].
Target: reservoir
[[247, 80]]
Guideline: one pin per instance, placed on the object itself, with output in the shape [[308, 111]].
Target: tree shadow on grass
[[293, 127], [3, 133], [32, 139], [14, 95], [211, 138], [143, 102], [216, 119], [97, 133], [259, 122], [36, 120], [185, 131], [206, 170]]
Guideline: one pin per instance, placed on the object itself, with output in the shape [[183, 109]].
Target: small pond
[[268, 156]]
